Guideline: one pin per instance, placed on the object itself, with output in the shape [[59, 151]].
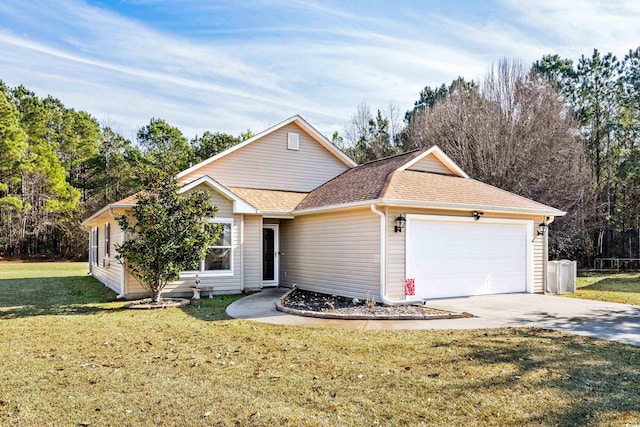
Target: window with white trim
[[219, 256], [93, 253], [107, 239]]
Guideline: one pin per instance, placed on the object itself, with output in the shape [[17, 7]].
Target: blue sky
[[231, 65]]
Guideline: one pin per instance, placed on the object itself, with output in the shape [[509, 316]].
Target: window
[[219, 256], [93, 253], [107, 240]]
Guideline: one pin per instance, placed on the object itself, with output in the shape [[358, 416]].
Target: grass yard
[[72, 356], [608, 286]]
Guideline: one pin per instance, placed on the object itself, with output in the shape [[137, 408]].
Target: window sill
[[192, 274]]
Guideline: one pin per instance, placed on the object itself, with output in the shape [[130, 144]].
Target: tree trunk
[[156, 289], [155, 294]]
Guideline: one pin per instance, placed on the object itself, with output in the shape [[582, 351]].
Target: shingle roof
[[263, 200], [269, 200], [364, 182], [381, 180], [446, 189]]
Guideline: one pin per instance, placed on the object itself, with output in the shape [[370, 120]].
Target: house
[[296, 211]]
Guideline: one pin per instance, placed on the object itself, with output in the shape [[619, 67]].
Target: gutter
[[467, 207], [383, 262], [430, 205]]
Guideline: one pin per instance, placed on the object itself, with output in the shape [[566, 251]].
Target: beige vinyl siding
[[252, 252], [539, 261], [430, 164], [224, 205], [267, 163], [134, 288], [395, 266], [336, 253], [108, 269], [396, 250]]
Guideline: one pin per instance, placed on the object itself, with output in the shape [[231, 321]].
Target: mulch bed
[[146, 304], [314, 304]]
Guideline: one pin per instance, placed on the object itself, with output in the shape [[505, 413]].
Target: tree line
[[58, 166], [564, 134]]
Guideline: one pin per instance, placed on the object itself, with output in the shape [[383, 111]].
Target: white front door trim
[[276, 255]]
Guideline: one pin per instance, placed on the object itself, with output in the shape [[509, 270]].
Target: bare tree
[[357, 129], [369, 137], [515, 133], [396, 124]]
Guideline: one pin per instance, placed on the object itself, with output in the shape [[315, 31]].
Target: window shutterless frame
[[219, 258], [93, 255], [107, 240]]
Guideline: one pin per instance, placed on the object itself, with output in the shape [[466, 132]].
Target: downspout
[[545, 255], [383, 264], [242, 253]]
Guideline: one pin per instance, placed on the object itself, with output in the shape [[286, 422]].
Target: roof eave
[[433, 205], [277, 214], [549, 211], [335, 207], [107, 209], [320, 138]]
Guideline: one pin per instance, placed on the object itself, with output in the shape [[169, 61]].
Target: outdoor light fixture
[[542, 227], [400, 221], [477, 215]]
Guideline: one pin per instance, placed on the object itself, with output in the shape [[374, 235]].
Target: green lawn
[[72, 356], [608, 286]]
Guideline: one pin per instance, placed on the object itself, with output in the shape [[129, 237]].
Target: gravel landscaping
[[314, 304]]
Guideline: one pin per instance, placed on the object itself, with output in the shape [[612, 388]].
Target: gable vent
[[293, 141]]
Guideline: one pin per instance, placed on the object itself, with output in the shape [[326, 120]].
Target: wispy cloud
[[575, 27], [231, 65]]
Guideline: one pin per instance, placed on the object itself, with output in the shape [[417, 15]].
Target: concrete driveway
[[610, 321]]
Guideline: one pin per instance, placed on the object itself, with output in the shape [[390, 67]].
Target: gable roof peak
[[300, 122], [440, 156]]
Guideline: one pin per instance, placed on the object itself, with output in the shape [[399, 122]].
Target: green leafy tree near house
[[168, 233]]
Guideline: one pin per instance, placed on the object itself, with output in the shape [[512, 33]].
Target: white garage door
[[461, 257]]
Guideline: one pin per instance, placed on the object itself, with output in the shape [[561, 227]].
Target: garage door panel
[[451, 258]]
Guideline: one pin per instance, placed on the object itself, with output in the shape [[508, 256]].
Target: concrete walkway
[[610, 321]]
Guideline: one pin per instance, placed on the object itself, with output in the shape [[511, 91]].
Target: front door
[[270, 255]]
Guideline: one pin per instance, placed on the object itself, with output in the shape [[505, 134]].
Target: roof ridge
[[387, 182], [390, 157]]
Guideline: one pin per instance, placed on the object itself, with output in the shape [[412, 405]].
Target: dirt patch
[[314, 304]]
